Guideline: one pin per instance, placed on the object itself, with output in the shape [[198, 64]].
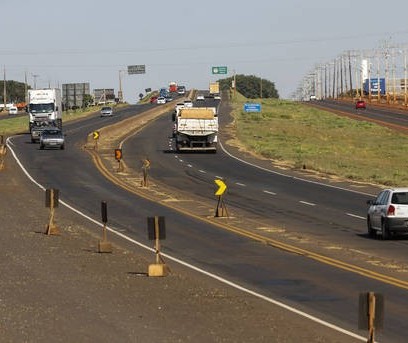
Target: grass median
[[301, 137], [16, 125]]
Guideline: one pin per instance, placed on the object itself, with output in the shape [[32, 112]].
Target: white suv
[[388, 213]]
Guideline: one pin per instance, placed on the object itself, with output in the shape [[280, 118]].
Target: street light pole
[[4, 88]]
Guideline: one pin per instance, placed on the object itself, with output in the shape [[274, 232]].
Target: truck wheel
[[62, 147], [41, 147]]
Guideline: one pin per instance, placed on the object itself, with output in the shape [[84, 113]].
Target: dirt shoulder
[[59, 289]]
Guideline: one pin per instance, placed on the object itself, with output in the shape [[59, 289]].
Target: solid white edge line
[[240, 184], [289, 176], [202, 271], [202, 171]]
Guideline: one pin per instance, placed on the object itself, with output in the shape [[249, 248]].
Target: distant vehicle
[[172, 87], [188, 103], [153, 99], [163, 92], [181, 90], [196, 129], [45, 107], [106, 111], [161, 100], [360, 104], [52, 138], [313, 97], [13, 110], [37, 129], [200, 97], [388, 213], [214, 88], [168, 98], [217, 97]]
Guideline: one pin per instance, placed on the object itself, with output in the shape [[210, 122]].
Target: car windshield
[[51, 132], [41, 108], [400, 198], [106, 108]]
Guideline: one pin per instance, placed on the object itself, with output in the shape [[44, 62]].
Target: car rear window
[[400, 198]]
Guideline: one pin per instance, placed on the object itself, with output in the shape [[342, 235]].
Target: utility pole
[[334, 77], [351, 82], [120, 92], [4, 90], [35, 80]]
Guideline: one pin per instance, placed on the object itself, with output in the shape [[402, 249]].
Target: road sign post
[[103, 245], [51, 201], [221, 209], [156, 230], [95, 136], [118, 157]]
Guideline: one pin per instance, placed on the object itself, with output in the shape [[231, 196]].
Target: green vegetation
[[251, 86], [16, 125], [15, 91], [302, 137]]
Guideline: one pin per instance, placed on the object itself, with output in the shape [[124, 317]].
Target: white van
[[13, 110]]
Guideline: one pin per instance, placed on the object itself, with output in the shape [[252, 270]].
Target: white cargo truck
[[196, 129], [44, 107]]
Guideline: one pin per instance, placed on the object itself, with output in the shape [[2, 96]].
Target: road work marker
[[156, 230], [51, 201], [103, 245]]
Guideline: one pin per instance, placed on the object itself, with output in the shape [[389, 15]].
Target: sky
[[57, 42]]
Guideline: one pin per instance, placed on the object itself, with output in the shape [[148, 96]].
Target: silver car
[[52, 138], [388, 213], [106, 111]]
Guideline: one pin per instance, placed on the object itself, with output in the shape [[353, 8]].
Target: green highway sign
[[219, 70]]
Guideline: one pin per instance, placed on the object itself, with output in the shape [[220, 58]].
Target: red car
[[153, 99], [360, 104]]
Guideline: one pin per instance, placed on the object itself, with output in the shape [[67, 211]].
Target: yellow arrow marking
[[95, 134], [221, 187]]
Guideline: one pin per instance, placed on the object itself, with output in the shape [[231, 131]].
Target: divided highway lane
[[315, 210], [378, 114], [324, 291]]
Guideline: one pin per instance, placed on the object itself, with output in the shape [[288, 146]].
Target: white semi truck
[[196, 129], [44, 107]]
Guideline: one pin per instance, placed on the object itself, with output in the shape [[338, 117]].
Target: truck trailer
[[196, 129], [215, 88], [44, 107]]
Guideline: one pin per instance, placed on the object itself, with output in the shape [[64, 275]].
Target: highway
[[324, 212]]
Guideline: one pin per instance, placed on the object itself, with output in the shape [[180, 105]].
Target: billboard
[[104, 95], [374, 86], [73, 94]]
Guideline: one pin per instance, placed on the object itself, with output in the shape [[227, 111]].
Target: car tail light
[[391, 211]]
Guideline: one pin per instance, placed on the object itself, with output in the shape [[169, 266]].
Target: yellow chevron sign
[[95, 135], [221, 187]]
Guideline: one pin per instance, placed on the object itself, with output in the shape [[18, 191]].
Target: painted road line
[[269, 192], [240, 184], [189, 165], [355, 216], [202, 171], [307, 203]]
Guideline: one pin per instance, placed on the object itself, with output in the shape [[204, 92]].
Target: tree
[[250, 86], [15, 91]]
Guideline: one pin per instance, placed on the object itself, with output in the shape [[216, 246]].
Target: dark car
[[360, 104], [52, 138]]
